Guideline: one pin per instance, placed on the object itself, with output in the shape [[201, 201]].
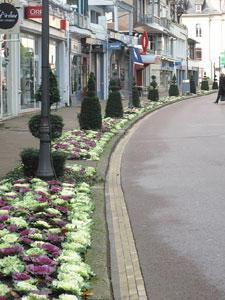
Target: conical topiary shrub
[[54, 96], [114, 107], [153, 92], [204, 83], [215, 85], [192, 86], [90, 115], [135, 96], [173, 90]]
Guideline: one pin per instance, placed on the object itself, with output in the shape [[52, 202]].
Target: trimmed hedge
[[56, 126], [153, 93], [173, 90], [30, 157], [90, 116], [114, 107]]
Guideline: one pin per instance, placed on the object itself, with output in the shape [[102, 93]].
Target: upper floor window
[[198, 30], [192, 51], [94, 16], [198, 53], [198, 8]]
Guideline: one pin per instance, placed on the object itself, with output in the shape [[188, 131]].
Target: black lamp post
[[45, 168]]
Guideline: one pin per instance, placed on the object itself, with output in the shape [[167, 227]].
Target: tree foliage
[[54, 96]]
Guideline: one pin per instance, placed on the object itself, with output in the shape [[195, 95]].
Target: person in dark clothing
[[221, 91]]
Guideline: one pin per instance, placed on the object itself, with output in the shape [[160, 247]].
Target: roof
[[208, 7]]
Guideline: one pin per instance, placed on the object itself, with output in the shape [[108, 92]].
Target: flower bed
[[79, 144], [44, 233]]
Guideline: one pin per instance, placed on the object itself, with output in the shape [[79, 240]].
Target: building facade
[[167, 51], [205, 23], [20, 60]]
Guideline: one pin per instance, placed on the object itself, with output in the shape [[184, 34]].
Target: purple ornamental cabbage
[[40, 270], [3, 218], [11, 250], [26, 241], [12, 228], [51, 249], [40, 260], [21, 276]]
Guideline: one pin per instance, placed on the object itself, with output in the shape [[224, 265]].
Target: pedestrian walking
[[221, 91]]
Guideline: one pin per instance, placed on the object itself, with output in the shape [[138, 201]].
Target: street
[[173, 174]]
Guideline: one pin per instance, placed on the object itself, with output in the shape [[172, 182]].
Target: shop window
[[198, 30], [27, 71], [4, 64], [76, 74], [198, 54], [52, 55]]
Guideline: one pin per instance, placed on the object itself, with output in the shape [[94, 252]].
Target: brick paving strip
[[129, 276]]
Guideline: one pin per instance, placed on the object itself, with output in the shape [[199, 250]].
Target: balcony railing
[[149, 19], [79, 20]]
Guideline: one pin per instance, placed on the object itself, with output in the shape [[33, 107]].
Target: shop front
[[4, 71], [166, 73], [75, 72], [29, 60]]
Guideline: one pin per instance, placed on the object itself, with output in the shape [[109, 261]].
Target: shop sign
[[33, 12], [114, 46], [9, 17], [97, 48]]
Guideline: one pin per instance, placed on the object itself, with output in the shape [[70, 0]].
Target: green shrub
[[15, 174], [54, 96], [215, 85], [114, 107], [30, 157], [173, 90], [192, 85], [56, 126], [90, 115], [135, 96], [204, 83], [153, 93], [59, 160]]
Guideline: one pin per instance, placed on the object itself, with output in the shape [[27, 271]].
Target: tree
[[114, 107], [192, 85], [90, 115], [135, 96], [215, 83], [173, 90], [204, 83], [153, 93], [54, 96]]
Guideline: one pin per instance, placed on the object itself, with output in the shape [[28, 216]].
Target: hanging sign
[[9, 16], [144, 42]]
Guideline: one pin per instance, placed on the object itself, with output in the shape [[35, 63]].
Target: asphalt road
[[173, 177]]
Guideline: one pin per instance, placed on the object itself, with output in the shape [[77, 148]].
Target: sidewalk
[[15, 136]]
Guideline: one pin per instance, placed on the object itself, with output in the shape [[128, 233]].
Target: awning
[[150, 59], [136, 57]]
